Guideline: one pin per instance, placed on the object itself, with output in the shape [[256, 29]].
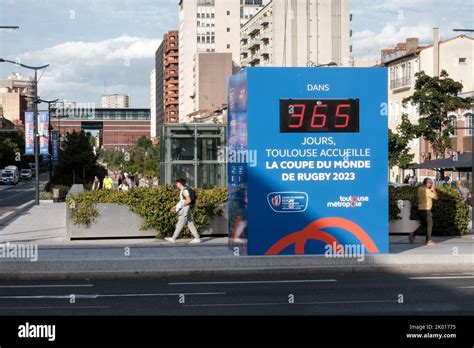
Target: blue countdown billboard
[[308, 163]]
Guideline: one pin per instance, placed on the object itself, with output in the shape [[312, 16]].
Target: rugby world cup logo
[[276, 201]]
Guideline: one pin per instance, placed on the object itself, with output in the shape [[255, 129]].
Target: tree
[[78, 164], [398, 144], [436, 97]]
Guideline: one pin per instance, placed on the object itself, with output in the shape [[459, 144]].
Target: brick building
[[113, 128]]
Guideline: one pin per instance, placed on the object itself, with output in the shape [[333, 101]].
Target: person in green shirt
[[108, 183], [426, 195]]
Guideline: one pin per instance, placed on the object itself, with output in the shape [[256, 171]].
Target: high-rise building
[[208, 26], [167, 80], [112, 101], [153, 133], [297, 33]]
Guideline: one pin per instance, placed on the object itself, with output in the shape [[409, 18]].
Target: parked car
[[26, 174], [9, 178]]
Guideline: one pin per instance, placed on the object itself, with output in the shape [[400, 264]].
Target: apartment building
[[15, 97], [166, 82], [208, 26], [153, 130], [298, 33], [113, 101], [455, 55]]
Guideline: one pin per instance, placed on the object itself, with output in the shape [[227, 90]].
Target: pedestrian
[[184, 209], [124, 186], [120, 180], [96, 184], [108, 183], [426, 195], [407, 179], [463, 192], [411, 180]]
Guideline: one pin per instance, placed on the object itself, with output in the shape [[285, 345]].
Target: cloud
[[79, 69], [369, 43]]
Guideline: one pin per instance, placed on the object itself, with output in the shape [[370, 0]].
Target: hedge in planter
[[450, 213], [152, 204]]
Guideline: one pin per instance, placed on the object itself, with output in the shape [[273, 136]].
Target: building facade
[[455, 55], [153, 132], [298, 33], [211, 75], [167, 81], [113, 101], [208, 26], [15, 97], [114, 127]]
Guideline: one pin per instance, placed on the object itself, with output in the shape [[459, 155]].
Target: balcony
[[400, 83], [170, 61]]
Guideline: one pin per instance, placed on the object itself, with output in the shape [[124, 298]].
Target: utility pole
[[36, 135]]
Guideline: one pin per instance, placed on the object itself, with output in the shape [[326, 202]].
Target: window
[[228, 13], [228, 46], [462, 60], [453, 121], [469, 123], [228, 30]]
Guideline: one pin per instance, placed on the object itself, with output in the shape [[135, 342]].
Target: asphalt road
[[313, 294], [14, 196]]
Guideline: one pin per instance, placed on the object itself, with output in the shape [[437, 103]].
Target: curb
[[5, 217], [142, 268]]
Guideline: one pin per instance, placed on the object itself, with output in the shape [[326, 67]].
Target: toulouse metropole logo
[[349, 202]]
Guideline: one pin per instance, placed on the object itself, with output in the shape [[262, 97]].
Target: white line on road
[[46, 286], [56, 307], [20, 193], [94, 296], [465, 287], [257, 282], [286, 303], [442, 277]]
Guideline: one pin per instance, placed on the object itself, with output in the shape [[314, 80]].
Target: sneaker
[[430, 243], [195, 241], [170, 239], [411, 238]]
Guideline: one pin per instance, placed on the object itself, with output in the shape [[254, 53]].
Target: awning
[[464, 163]]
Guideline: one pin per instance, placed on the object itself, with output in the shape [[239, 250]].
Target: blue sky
[[90, 42]]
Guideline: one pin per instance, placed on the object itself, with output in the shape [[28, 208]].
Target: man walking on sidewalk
[[426, 195], [184, 208]]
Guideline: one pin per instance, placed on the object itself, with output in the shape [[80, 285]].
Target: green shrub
[[63, 190], [450, 213], [152, 204], [45, 196]]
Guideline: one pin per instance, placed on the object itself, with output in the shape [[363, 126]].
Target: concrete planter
[[117, 221], [405, 225]]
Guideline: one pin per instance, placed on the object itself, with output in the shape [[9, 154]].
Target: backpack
[[192, 194]]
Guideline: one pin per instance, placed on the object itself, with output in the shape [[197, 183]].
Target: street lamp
[[49, 102], [36, 135]]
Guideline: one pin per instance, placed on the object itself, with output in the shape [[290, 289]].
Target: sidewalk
[[61, 259]]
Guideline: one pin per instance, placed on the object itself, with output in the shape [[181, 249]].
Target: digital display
[[319, 115]]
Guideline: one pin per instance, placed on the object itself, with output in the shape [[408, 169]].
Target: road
[[14, 196], [313, 294]]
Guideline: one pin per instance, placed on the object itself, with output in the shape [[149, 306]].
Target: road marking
[[465, 287], [286, 303], [56, 307], [46, 286], [258, 282], [21, 193], [442, 277], [94, 296]]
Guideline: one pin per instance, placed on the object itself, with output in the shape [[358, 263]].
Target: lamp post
[[36, 135], [49, 102]]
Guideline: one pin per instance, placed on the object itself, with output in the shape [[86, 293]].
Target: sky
[[94, 46]]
